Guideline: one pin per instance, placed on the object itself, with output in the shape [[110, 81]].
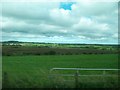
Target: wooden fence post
[[104, 78], [76, 79]]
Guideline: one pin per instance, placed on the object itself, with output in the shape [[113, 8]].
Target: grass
[[33, 71]]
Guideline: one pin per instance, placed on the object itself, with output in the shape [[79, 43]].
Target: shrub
[[52, 52]]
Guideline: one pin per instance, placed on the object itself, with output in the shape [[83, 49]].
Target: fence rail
[[91, 69], [77, 74]]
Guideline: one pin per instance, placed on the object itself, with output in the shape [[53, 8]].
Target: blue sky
[[60, 22], [66, 5]]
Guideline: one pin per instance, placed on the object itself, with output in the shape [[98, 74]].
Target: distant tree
[[13, 41]]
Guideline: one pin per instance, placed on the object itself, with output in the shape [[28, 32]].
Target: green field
[[33, 71]]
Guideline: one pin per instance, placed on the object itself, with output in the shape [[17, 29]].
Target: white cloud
[[87, 24], [61, 17], [92, 22], [85, 1]]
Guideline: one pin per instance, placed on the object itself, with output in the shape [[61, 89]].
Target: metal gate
[[77, 73]]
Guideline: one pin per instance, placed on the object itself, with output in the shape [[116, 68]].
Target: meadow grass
[[33, 71]]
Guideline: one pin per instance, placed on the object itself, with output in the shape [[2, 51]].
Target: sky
[[60, 22]]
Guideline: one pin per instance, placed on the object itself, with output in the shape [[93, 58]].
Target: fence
[[77, 73]]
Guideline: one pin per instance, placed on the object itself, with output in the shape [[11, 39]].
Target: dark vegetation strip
[[27, 50]]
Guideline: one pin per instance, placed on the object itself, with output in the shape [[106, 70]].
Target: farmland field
[[33, 71]]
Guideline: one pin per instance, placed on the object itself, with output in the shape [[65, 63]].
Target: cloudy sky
[[60, 22]]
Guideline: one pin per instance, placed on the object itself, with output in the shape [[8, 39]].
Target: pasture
[[33, 71]]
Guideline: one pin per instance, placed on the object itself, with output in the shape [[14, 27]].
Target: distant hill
[[10, 42], [60, 43]]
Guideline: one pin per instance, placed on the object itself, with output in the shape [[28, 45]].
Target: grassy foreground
[[33, 71]]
